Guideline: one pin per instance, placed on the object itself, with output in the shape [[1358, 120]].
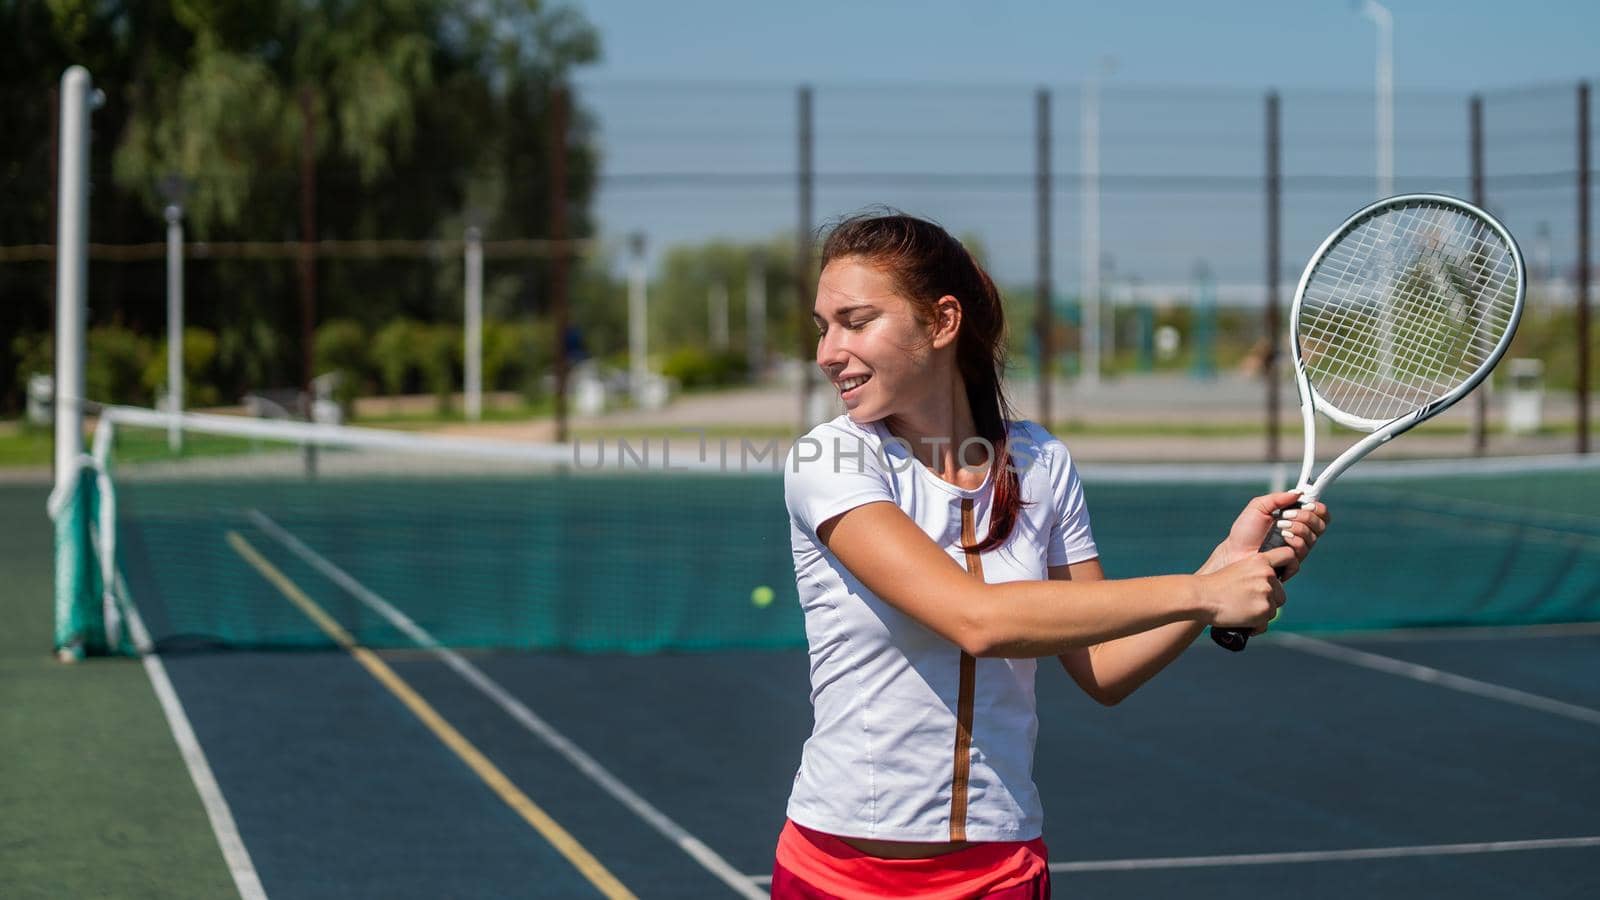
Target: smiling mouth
[[851, 384]]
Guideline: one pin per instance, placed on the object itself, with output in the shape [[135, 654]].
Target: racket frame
[[1382, 431]]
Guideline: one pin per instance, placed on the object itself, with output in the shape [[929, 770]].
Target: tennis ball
[[762, 596]]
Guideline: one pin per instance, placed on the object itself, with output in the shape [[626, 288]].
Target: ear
[[946, 322]]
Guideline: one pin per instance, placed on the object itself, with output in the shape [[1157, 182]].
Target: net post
[[1274, 266], [1043, 313], [803, 254], [174, 217], [1480, 403], [70, 503], [1583, 267]]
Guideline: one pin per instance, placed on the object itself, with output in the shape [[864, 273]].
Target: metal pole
[[755, 314], [1043, 314], [638, 319], [1089, 323], [1380, 16], [72, 272], [308, 235], [1274, 267], [1583, 267], [174, 214], [1480, 405], [558, 236], [472, 361], [803, 263]]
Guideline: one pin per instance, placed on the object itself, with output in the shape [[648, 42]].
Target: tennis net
[[629, 546]]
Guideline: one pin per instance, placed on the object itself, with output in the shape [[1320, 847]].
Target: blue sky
[[944, 89], [1451, 44]]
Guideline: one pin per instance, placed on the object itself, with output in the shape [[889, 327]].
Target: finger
[[1307, 517], [1278, 557], [1271, 503]]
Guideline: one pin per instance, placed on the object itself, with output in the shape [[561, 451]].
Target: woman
[[941, 546]]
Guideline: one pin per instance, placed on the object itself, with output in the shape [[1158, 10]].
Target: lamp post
[[1379, 14], [472, 315], [174, 189]]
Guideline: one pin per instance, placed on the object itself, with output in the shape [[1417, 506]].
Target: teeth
[[852, 384]]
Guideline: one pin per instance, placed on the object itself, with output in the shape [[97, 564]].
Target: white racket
[[1401, 312]]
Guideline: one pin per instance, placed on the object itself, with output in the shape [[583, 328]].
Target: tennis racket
[[1400, 313]]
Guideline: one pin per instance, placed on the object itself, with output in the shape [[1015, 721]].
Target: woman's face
[[872, 348]]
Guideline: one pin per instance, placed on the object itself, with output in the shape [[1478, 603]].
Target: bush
[[199, 365], [394, 354], [516, 355], [694, 367], [438, 357], [35, 355], [340, 345], [114, 371]]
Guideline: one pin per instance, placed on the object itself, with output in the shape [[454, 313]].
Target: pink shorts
[[812, 865]]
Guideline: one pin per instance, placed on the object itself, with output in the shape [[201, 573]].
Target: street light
[[174, 189], [1380, 16]]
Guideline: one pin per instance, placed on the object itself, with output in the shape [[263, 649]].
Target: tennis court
[[424, 671]]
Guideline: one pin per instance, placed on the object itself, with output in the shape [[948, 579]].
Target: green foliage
[[418, 111], [394, 354], [35, 355], [680, 296], [694, 367], [341, 346], [438, 360], [516, 355], [114, 370], [199, 369]]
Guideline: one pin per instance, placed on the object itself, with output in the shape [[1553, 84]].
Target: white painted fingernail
[[1289, 514], [1285, 526]]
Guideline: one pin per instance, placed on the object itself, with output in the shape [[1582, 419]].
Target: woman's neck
[[936, 435]]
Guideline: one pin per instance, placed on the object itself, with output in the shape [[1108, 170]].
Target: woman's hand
[[1301, 526], [1247, 593]]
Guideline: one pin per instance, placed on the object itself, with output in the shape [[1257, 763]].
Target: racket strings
[[1404, 307]]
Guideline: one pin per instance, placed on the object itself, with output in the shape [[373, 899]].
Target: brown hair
[[926, 263]]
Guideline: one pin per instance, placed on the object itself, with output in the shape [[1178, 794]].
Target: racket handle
[[1235, 638]]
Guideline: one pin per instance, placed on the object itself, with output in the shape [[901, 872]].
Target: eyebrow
[[843, 311]]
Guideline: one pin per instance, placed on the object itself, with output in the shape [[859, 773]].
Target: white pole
[[638, 323], [1380, 16], [719, 315], [755, 309], [472, 380], [72, 270], [174, 214], [1089, 327]]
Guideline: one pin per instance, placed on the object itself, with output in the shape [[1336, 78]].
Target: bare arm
[[882, 547], [1112, 670]]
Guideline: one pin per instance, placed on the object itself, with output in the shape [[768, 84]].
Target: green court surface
[[94, 798]]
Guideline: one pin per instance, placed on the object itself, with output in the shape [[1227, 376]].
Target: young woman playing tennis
[[940, 547]]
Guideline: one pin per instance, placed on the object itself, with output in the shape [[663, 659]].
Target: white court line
[[1472, 632], [672, 831], [1315, 856], [1428, 675], [1308, 856], [234, 853]]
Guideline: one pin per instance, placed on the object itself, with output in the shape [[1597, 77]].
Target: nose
[[830, 351]]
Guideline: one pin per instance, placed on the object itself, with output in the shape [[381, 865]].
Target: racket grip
[[1235, 639]]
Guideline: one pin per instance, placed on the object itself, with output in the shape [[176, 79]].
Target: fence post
[[1274, 267], [1043, 314]]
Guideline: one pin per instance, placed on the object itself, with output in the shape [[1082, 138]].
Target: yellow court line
[[552, 831]]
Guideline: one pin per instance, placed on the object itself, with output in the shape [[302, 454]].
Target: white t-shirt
[[881, 762]]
